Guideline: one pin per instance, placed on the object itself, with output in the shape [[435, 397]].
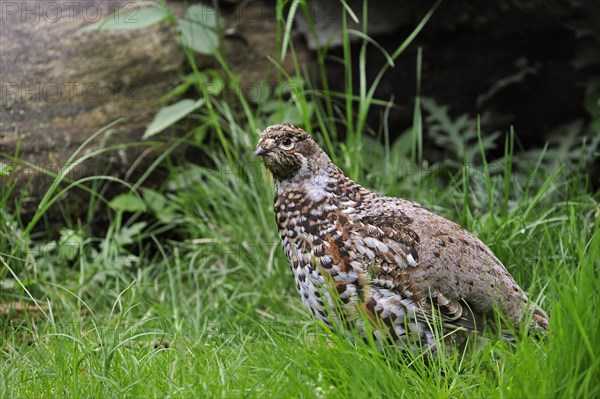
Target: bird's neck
[[327, 182]]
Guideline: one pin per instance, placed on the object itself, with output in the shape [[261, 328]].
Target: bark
[[58, 86]]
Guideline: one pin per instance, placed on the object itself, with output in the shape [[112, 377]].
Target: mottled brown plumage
[[390, 258]]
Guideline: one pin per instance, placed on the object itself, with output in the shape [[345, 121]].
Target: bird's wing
[[391, 249]]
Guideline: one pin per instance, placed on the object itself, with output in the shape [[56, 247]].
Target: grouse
[[398, 264]]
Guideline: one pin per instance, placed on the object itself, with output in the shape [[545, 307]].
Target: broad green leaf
[[171, 114], [197, 29], [202, 14], [128, 202], [128, 18], [284, 111], [5, 169], [7, 284], [159, 204], [128, 235], [70, 243], [258, 93]]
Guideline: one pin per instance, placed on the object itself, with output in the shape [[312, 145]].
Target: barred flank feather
[[397, 262]]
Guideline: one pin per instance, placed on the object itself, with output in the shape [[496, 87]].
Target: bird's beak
[[259, 151]]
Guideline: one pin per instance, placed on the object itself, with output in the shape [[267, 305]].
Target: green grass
[[188, 293], [214, 313]]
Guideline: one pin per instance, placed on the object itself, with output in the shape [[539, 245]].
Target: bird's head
[[290, 153]]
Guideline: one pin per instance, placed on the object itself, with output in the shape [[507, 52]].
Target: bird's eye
[[287, 143]]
